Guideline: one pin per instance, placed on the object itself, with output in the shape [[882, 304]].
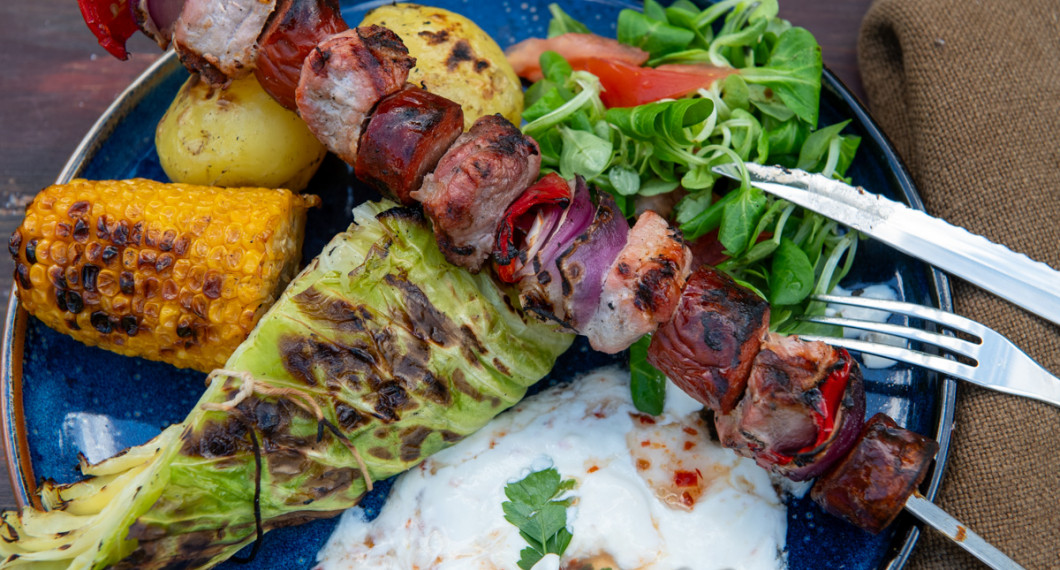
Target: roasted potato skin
[[235, 136], [454, 59]]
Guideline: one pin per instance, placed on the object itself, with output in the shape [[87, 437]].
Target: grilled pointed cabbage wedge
[[377, 355]]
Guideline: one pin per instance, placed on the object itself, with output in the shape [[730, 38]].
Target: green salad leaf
[[765, 111]]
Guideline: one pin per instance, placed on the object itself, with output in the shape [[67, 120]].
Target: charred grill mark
[[216, 440], [402, 213], [501, 367], [381, 453], [349, 418], [307, 358], [460, 53], [425, 321], [31, 251], [653, 285], [391, 399], [462, 385], [412, 442], [435, 38], [343, 315], [413, 372], [512, 142], [79, 209]]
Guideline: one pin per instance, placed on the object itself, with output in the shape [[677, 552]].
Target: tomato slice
[[628, 85], [525, 56], [112, 22]]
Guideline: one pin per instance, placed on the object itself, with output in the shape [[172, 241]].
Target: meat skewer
[[482, 174]]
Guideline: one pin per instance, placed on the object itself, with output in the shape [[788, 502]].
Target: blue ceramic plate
[[62, 399]]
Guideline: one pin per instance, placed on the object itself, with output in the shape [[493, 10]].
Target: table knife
[[1030, 284]]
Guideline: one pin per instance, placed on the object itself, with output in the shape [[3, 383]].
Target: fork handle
[[1029, 379], [941, 521]]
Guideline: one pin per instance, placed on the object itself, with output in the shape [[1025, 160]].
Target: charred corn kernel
[[156, 270]]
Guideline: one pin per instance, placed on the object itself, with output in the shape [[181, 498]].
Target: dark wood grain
[[56, 81]]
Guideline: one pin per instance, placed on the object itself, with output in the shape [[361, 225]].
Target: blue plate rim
[[20, 469]]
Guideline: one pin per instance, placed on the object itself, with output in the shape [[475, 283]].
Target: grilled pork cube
[[870, 486], [408, 133], [343, 78], [708, 345], [476, 180], [642, 287], [219, 38], [295, 28], [803, 408]]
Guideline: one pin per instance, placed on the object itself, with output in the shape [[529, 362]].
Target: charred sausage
[[408, 133]]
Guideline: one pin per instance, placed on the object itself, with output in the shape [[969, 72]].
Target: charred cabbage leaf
[[379, 354]]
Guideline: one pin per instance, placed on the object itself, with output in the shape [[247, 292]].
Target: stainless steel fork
[[998, 363]]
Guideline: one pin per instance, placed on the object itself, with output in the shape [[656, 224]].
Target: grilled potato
[[454, 59], [236, 136]]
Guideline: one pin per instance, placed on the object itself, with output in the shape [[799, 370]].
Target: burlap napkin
[[969, 92]]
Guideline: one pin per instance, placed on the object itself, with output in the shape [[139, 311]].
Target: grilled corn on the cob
[[170, 272]]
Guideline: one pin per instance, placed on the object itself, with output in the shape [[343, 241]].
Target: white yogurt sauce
[[651, 492]]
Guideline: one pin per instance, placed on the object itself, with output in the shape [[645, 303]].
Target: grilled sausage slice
[[408, 133], [869, 487], [707, 347], [295, 28], [343, 78]]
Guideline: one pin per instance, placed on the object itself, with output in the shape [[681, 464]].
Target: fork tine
[[951, 343], [922, 359], [919, 311]]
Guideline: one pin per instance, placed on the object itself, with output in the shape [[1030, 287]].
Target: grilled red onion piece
[[870, 486], [406, 135], [476, 180], [708, 345], [295, 28], [157, 18], [642, 286], [563, 281], [803, 409], [343, 78], [219, 38]]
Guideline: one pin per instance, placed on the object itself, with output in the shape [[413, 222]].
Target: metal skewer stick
[[941, 521]]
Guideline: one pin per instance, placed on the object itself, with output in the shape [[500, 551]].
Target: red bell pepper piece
[[832, 389], [112, 22], [551, 190]]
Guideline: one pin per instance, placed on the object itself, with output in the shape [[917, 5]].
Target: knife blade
[[1030, 284]]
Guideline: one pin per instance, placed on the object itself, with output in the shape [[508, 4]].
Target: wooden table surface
[[57, 81]]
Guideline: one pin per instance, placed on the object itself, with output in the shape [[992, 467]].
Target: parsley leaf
[[535, 508]]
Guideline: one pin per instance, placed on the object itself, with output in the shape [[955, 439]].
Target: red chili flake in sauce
[[689, 445], [686, 478], [594, 469], [687, 499], [643, 464], [690, 431], [645, 419], [645, 443]]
